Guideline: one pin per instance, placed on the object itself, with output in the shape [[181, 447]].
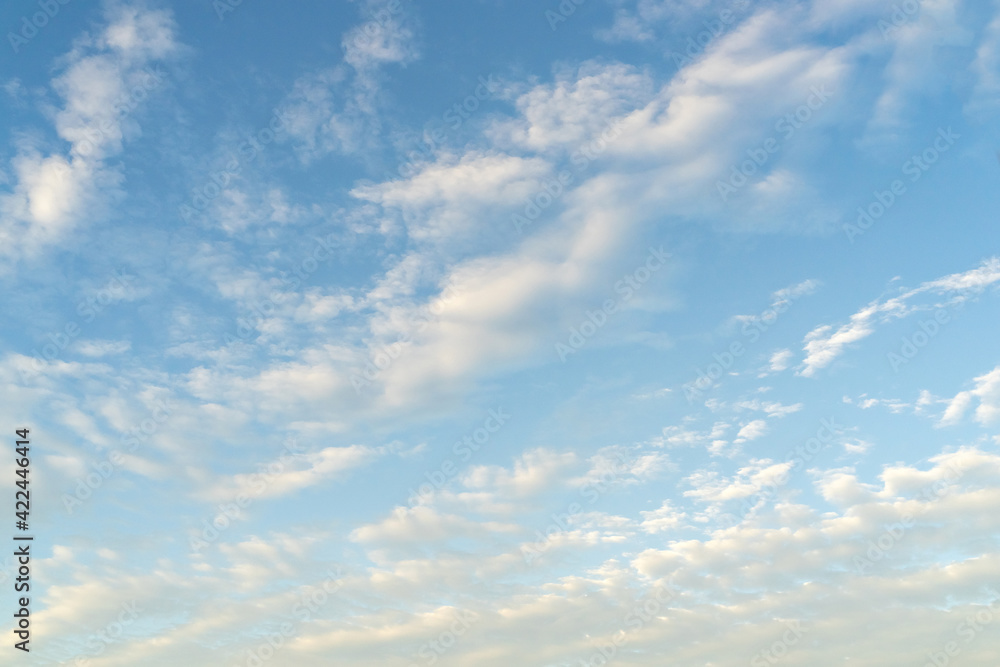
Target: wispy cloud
[[103, 79], [825, 343]]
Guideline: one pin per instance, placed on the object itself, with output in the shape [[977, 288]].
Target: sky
[[399, 333]]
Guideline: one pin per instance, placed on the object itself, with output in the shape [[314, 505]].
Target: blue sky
[[629, 332]]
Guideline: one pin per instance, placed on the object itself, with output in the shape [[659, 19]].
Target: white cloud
[[680, 436], [99, 88], [796, 291], [447, 199], [780, 361], [576, 108], [856, 446], [825, 343], [662, 520], [987, 391], [895, 405], [735, 586], [339, 109], [669, 150], [780, 300], [422, 524], [914, 69], [534, 471], [292, 474], [709, 487], [771, 408], [751, 431], [617, 465], [378, 42]]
